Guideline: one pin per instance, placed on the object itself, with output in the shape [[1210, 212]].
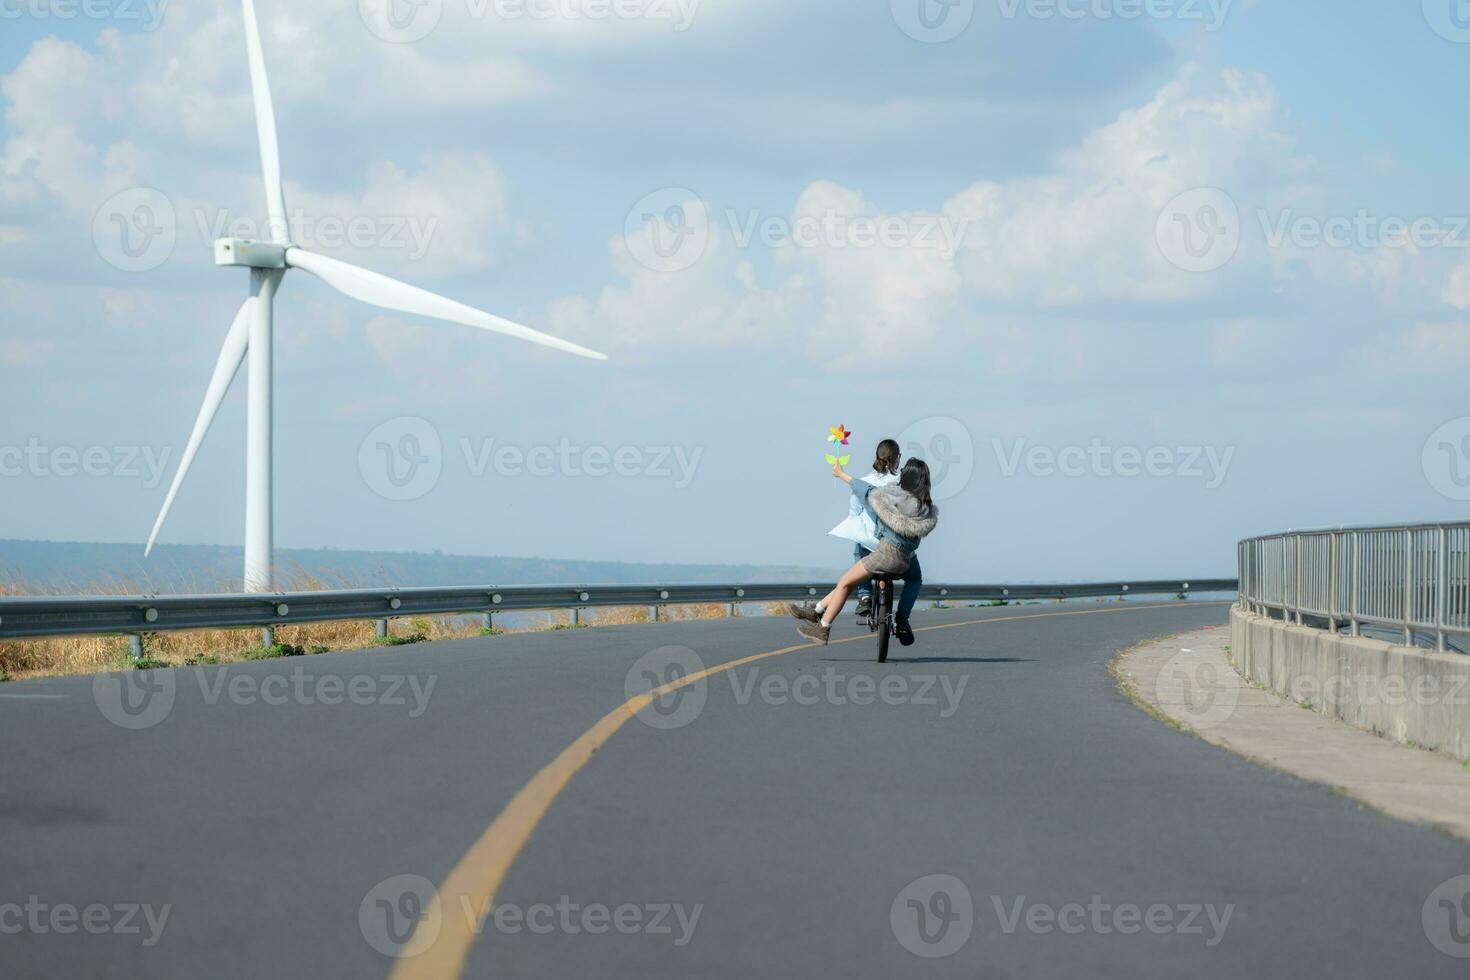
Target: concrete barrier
[[1417, 697]]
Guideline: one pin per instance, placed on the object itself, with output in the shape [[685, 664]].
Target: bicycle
[[880, 618]]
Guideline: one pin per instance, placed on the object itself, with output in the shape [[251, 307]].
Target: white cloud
[[44, 120], [1446, 344], [1429, 348], [841, 293], [1457, 287], [440, 220], [1082, 234], [1087, 231], [1080, 241], [878, 301], [711, 305], [84, 125], [1078, 238]]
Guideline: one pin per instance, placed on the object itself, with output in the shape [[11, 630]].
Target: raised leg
[[832, 605]]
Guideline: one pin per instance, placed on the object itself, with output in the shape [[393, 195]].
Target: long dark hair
[[886, 459], [915, 480]]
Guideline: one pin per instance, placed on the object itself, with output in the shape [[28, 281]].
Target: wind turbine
[[250, 334]]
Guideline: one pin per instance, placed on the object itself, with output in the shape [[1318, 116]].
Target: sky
[[1138, 277]]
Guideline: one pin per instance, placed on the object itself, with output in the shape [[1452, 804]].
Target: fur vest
[[902, 512]]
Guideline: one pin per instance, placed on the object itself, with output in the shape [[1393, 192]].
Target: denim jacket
[[900, 518]]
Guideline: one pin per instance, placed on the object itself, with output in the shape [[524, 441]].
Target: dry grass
[[21, 659], [617, 616], [90, 654], [708, 610]]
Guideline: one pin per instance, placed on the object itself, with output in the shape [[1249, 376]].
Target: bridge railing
[[1413, 579], [44, 616]]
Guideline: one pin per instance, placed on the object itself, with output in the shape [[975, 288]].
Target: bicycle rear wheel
[[884, 612]]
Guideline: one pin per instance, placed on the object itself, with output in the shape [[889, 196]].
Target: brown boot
[[814, 631], [804, 612]]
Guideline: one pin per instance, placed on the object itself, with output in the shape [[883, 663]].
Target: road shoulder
[[1188, 681]]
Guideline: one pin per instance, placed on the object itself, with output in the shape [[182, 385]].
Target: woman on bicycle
[[858, 527], [905, 514]]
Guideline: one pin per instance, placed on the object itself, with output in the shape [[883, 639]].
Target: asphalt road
[[987, 795]]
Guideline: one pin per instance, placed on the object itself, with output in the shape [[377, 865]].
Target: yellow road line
[[473, 882]]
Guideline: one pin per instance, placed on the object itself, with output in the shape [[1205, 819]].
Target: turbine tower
[[268, 262]]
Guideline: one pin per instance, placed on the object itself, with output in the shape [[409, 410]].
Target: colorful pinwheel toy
[[839, 435]]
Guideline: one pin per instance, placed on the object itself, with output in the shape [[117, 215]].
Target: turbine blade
[[265, 126], [225, 369], [379, 290]]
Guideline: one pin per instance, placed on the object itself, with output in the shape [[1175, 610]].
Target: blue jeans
[[913, 582], [858, 554]]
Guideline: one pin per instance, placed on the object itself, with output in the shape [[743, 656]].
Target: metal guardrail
[[134, 615], [1413, 578]]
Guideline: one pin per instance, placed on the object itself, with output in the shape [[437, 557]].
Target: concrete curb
[[1414, 697], [1189, 681]]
